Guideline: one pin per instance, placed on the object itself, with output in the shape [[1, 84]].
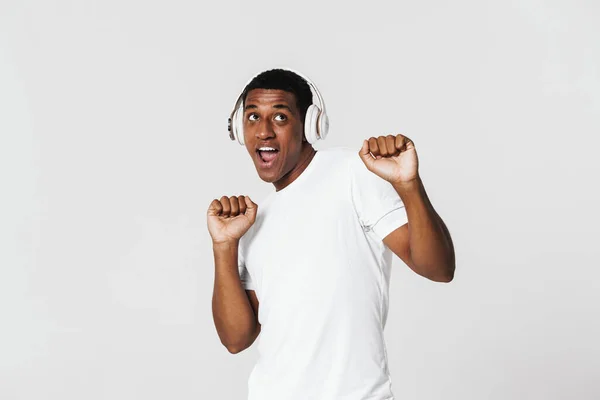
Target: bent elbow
[[448, 276], [444, 275], [235, 349], [244, 343]]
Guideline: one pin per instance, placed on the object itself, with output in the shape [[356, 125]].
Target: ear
[[303, 134]]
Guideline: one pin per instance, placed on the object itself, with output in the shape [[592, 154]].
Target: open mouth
[[267, 157]]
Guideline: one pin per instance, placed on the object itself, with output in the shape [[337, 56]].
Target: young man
[[316, 255]]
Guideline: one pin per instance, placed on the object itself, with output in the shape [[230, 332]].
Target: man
[[316, 254]]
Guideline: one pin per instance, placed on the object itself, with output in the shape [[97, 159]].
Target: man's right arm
[[235, 309]]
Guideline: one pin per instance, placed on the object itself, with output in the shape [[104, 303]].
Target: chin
[[268, 177]]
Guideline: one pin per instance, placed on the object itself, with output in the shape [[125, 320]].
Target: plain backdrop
[[113, 144]]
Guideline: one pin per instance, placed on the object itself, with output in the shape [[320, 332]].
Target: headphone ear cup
[[238, 125], [310, 123], [323, 125]]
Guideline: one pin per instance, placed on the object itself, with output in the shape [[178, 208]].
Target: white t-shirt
[[321, 272]]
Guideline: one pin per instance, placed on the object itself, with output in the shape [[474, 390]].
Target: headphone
[[316, 122]]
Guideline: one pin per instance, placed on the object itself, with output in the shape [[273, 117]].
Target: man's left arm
[[425, 240], [424, 244]]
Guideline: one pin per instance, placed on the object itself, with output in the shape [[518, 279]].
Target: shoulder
[[347, 162], [341, 156], [338, 152], [351, 160]]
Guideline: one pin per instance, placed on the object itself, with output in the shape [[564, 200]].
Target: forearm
[[232, 312], [431, 247]]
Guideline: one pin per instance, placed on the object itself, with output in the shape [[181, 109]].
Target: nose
[[264, 130]]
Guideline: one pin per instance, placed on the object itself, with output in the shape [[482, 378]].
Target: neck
[[306, 156]]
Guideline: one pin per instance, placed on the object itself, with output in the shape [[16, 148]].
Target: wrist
[[412, 185], [225, 245]]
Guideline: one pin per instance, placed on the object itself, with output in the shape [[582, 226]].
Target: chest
[[301, 243]]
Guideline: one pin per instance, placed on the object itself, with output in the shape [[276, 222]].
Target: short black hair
[[283, 79]]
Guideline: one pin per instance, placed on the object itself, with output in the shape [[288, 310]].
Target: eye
[[282, 116], [250, 117]]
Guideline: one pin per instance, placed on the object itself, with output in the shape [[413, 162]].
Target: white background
[[114, 142]]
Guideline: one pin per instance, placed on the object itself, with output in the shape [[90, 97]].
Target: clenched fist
[[230, 217], [394, 158]]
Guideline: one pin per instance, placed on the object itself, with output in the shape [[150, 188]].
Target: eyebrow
[[274, 106]]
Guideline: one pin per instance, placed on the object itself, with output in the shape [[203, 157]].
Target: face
[[272, 120]]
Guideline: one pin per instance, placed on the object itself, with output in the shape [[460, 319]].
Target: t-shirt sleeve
[[245, 277], [377, 204]]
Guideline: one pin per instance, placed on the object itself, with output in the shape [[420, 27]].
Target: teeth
[[267, 149]]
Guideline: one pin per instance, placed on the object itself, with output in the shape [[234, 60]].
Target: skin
[[272, 118]]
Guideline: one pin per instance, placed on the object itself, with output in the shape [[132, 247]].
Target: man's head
[[275, 104]]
